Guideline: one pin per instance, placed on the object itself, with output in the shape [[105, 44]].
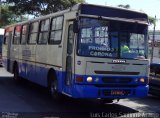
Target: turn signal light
[[79, 79]]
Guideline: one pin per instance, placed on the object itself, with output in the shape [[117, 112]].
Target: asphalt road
[[32, 101]]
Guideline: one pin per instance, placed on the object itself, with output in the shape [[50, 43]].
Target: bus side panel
[[61, 78], [36, 74], [27, 71], [54, 61], [41, 70], [29, 56], [41, 74], [23, 63], [31, 71], [22, 69]]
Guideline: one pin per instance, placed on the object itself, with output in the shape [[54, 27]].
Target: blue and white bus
[[87, 51]]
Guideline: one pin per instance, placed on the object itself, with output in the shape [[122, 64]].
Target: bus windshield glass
[[111, 39]]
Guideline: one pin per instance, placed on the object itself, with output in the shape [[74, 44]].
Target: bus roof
[[1, 31], [113, 12], [100, 10], [114, 7]]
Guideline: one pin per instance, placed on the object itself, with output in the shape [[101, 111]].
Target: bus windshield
[[111, 39]]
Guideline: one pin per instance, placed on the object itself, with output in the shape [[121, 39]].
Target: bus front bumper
[[91, 91]]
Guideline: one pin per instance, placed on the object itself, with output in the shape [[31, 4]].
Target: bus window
[[43, 35], [24, 34], [33, 33], [7, 35], [16, 37], [56, 30]]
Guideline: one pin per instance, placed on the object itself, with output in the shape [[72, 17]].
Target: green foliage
[[8, 17], [41, 7], [5, 15], [124, 6], [152, 20]]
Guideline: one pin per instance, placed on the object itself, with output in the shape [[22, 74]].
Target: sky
[[151, 7]]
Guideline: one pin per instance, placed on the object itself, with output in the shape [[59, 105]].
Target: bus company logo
[[119, 61]]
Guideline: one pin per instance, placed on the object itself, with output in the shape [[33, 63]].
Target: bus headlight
[[89, 79], [142, 80]]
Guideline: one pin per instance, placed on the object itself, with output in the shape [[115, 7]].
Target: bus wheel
[[16, 75], [53, 88]]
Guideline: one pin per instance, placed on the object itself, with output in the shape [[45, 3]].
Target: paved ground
[[4, 73], [31, 101]]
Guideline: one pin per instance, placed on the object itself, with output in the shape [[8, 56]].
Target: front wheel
[[53, 88]]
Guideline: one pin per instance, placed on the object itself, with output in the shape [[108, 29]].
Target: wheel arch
[[53, 73], [14, 65]]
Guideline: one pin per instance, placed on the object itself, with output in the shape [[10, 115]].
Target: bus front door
[[69, 59]]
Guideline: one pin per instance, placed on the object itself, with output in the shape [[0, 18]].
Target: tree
[[124, 6], [40, 7], [152, 20], [8, 17]]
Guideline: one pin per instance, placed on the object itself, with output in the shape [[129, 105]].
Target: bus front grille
[[116, 72], [116, 80]]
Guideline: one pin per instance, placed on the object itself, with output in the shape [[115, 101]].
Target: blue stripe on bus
[[90, 90]]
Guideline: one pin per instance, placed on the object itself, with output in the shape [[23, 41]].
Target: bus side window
[[24, 34], [33, 31], [43, 34], [56, 30], [16, 37]]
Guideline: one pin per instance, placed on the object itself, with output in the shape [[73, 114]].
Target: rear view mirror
[[75, 26]]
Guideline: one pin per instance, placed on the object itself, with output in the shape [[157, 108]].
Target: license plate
[[117, 92]]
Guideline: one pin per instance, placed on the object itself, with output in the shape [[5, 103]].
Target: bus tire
[[53, 87], [16, 74]]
